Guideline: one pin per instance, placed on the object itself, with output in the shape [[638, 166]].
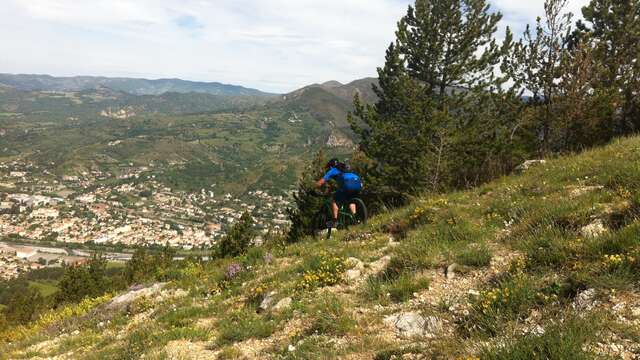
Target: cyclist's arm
[[325, 179]]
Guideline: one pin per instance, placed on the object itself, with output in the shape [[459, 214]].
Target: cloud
[[275, 45]]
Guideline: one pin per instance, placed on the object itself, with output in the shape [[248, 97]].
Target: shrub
[[239, 237], [144, 266], [321, 270], [23, 303], [508, 300], [79, 282], [232, 271]]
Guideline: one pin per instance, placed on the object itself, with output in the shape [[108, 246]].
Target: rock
[[380, 264], [594, 229], [412, 324], [283, 304], [529, 163], [473, 292], [576, 191], [585, 300], [352, 275], [180, 293], [291, 348], [537, 330], [618, 308], [266, 303], [184, 349], [338, 139], [355, 263], [450, 272], [135, 293]]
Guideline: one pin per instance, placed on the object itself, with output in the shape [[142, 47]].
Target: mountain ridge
[[134, 86]]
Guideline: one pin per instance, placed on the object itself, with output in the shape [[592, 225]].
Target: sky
[[272, 45]]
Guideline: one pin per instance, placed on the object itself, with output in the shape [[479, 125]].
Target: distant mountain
[[331, 101], [133, 86], [90, 103], [362, 87]]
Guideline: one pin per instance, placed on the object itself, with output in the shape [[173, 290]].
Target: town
[[129, 209]]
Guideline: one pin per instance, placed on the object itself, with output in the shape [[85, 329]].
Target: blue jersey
[[346, 180]]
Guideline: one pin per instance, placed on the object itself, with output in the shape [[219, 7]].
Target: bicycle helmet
[[332, 163]]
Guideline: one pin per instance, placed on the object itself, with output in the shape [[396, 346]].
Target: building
[[45, 213], [7, 250], [25, 252]]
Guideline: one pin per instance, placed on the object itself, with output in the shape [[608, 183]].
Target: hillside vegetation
[[544, 264]]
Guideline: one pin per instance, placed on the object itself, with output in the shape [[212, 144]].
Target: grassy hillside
[[545, 264]]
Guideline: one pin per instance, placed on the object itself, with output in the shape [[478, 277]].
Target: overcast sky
[[272, 45]]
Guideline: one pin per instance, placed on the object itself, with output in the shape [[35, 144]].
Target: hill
[[544, 264], [29, 82], [191, 141]]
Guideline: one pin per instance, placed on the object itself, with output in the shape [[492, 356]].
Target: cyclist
[[349, 185]]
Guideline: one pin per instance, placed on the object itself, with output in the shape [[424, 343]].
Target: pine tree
[[435, 75], [306, 202], [450, 44], [536, 66], [240, 236], [614, 28]]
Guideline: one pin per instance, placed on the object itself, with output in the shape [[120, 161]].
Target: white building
[[25, 252]]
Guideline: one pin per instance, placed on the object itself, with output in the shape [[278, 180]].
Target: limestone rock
[[135, 293], [451, 271], [529, 163], [352, 275], [576, 191], [585, 300], [267, 302], [412, 324], [380, 264], [594, 229], [355, 263], [283, 304]]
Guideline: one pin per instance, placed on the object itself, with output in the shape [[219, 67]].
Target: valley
[[99, 167]]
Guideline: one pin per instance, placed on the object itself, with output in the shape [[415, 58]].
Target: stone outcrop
[[412, 324]]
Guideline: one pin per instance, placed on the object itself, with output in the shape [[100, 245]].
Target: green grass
[[46, 287], [330, 317], [381, 289], [563, 341], [477, 255], [242, 325]]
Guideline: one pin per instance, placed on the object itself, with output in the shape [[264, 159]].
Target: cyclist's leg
[[338, 198], [334, 210], [352, 205]]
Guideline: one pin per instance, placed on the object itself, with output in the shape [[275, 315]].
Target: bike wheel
[[361, 215], [347, 218]]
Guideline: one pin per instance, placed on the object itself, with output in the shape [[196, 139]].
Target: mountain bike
[[323, 219]]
